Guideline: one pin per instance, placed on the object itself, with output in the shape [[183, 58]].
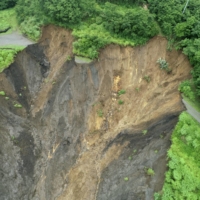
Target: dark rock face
[[142, 153], [49, 143]]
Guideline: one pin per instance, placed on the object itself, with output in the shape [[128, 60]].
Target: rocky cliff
[[75, 137]]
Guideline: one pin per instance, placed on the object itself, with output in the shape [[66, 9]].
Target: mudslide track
[[72, 139]]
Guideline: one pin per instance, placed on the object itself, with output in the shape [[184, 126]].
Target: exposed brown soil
[[83, 138]]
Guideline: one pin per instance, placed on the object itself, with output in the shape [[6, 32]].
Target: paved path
[[14, 39], [192, 111]]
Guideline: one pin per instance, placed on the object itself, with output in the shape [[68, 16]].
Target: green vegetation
[[69, 58], [8, 19], [94, 25], [137, 89], [195, 104], [126, 178], [150, 172], [100, 113], [147, 79], [163, 63], [182, 180], [17, 105], [121, 92], [186, 88], [123, 2], [113, 24], [130, 158], [144, 132], [2, 93], [7, 98], [4, 4], [7, 55], [31, 17], [120, 102]]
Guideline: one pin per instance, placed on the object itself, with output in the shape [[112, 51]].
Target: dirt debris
[[84, 142]]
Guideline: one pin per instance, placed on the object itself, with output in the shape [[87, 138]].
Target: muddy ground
[[72, 139]]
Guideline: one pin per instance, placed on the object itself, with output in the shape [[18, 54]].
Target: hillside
[[90, 100], [72, 139]]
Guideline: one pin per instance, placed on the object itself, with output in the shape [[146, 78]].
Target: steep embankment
[[72, 139]]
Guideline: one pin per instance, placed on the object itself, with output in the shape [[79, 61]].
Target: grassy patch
[[8, 19], [2, 93], [120, 102], [150, 172], [100, 113], [121, 92], [144, 132], [126, 178], [182, 180], [7, 55], [147, 78], [17, 105]]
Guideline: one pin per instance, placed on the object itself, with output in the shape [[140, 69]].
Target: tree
[[67, 11], [4, 4]]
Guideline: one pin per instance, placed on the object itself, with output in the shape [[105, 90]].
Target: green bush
[[89, 41], [2, 93], [4, 4], [8, 19], [144, 132], [163, 63], [31, 27], [191, 49], [91, 38], [7, 56], [120, 102], [186, 88], [121, 92], [147, 78], [31, 16], [100, 113], [182, 180], [17, 105], [150, 172], [68, 11], [135, 23]]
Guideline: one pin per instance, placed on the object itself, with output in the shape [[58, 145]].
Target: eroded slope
[[72, 139]]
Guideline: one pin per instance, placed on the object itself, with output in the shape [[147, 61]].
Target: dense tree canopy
[[68, 11], [4, 4], [132, 23]]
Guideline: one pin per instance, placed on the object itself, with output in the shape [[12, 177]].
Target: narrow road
[[192, 111], [14, 39]]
